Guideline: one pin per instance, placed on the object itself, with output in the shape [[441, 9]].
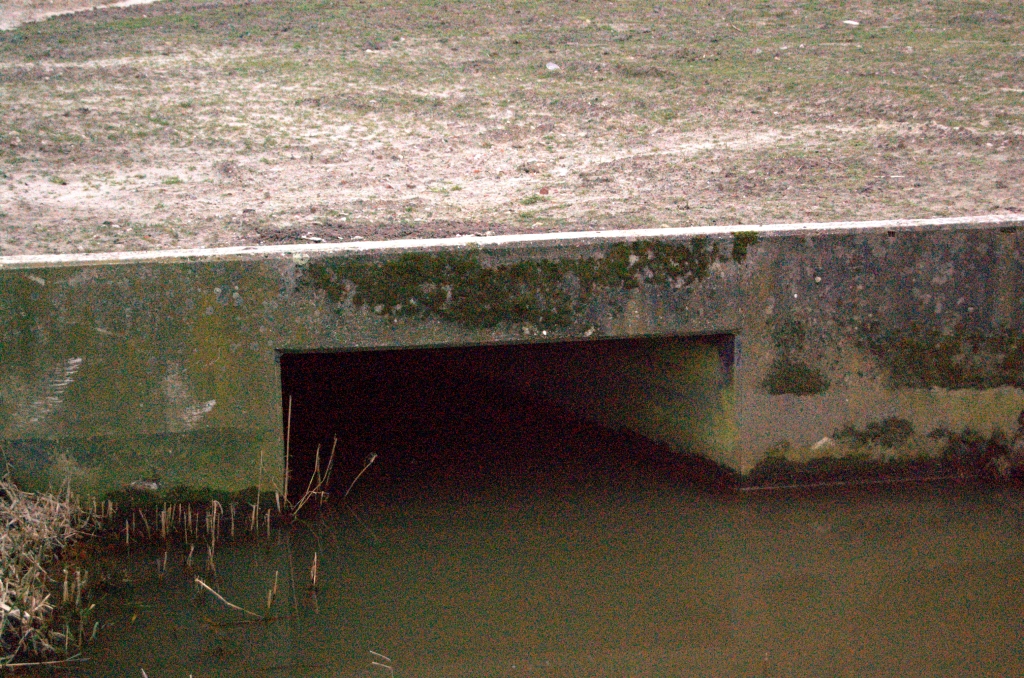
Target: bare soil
[[191, 123], [14, 13]]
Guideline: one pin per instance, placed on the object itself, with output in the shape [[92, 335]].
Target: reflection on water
[[589, 566]]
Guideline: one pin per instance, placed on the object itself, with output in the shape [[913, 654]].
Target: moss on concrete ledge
[[462, 287]]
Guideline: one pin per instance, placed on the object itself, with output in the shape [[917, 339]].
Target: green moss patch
[[921, 358], [227, 459], [967, 454], [889, 432], [459, 287], [794, 377], [791, 372], [740, 242]]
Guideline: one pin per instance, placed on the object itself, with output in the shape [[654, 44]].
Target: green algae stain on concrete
[[925, 357], [741, 241], [467, 289], [790, 371], [215, 458], [116, 374]]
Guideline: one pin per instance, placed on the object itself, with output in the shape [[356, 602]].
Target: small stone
[[544, 191], [825, 443], [552, 66]]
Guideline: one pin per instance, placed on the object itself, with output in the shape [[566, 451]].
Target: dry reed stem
[[34, 529], [225, 600], [372, 458], [322, 480]]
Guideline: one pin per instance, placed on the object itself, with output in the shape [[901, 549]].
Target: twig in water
[[272, 592], [363, 523], [386, 666], [259, 482], [241, 622], [226, 601], [53, 662], [372, 458]]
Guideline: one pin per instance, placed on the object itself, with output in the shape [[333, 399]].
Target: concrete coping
[[526, 239]]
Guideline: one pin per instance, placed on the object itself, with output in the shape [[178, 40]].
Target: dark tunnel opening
[[460, 420]]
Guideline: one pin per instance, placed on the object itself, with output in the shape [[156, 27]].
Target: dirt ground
[[191, 123], [14, 13]]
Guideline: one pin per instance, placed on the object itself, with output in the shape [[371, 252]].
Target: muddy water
[[589, 567]]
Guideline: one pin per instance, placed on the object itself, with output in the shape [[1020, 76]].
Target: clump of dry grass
[[34, 529]]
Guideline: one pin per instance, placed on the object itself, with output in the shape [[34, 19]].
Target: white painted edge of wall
[[568, 237]]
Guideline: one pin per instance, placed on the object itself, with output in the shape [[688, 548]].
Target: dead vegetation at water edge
[[43, 616]]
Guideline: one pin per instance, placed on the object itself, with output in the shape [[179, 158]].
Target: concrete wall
[[162, 365]]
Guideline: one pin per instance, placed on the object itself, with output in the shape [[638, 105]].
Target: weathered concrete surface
[[162, 364]]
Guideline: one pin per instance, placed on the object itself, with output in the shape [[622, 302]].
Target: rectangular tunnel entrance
[[465, 417]]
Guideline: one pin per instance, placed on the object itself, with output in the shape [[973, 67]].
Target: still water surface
[[592, 566]]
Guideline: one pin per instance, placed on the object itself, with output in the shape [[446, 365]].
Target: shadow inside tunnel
[[444, 421]]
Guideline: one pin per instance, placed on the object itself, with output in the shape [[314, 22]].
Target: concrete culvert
[[525, 416]]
